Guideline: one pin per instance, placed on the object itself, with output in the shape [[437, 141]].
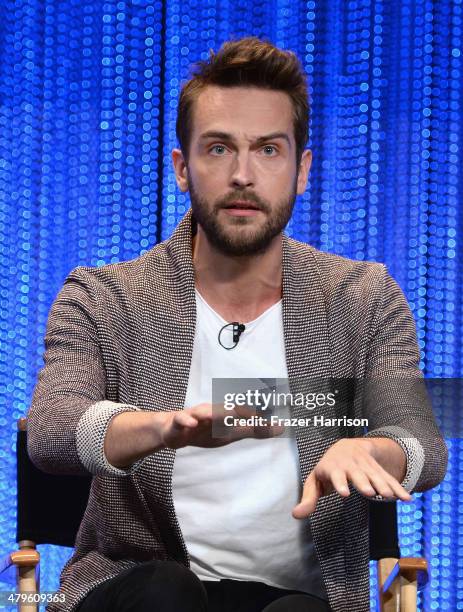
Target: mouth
[[242, 205]]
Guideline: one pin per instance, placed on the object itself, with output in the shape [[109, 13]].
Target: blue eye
[[272, 149], [215, 147]]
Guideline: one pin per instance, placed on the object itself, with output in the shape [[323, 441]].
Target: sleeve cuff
[[90, 435], [413, 451]]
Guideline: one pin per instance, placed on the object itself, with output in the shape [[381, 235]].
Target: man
[[179, 518]]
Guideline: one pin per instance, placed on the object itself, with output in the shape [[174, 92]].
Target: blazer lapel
[[168, 330], [309, 360]]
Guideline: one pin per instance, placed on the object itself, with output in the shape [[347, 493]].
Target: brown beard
[[235, 243]]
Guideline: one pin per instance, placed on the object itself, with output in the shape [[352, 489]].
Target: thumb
[[311, 493]]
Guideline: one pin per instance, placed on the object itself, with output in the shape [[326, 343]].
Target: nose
[[242, 173]]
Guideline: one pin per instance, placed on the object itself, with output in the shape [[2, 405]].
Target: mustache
[[242, 196]]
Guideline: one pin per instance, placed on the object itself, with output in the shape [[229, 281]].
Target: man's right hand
[[198, 426], [133, 435]]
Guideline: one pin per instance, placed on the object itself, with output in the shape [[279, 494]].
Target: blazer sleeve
[[69, 414], [395, 394]]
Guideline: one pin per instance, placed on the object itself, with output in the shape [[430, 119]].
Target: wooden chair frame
[[399, 581]]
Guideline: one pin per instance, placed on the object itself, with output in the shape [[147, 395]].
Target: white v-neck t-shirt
[[234, 502]]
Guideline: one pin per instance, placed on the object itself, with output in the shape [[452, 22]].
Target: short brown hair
[[247, 62]]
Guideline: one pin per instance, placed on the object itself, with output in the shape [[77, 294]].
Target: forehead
[[245, 112]]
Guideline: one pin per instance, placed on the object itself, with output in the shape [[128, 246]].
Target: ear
[[304, 169], [180, 168]]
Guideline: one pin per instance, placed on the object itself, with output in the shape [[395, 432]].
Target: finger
[[386, 485], [201, 412], [179, 430], [381, 484], [311, 493], [339, 482], [361, 482], [182, 419], [398, 490], [243, 411]]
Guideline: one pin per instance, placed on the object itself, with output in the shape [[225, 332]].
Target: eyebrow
[[259, 140]]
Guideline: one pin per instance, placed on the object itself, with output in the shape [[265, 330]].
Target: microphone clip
[[237, 329]]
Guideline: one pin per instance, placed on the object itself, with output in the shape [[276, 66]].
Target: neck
[[238, 288]]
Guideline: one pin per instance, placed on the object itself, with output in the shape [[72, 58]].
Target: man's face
[[241, 173]]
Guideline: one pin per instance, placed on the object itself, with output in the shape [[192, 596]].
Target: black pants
[[167, 586]]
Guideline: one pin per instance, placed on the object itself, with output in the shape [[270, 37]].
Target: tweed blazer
[[120, 337]]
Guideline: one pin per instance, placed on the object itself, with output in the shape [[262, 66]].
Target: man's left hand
[[354, 460]]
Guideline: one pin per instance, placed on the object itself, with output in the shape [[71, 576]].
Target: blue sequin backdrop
[[88, 96]]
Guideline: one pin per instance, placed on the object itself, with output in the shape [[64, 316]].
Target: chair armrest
[[20, 558], [21, 568], [413, 569], [26, 575]]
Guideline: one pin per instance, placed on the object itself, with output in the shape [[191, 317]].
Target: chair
[[399, 579], [50, 509]]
